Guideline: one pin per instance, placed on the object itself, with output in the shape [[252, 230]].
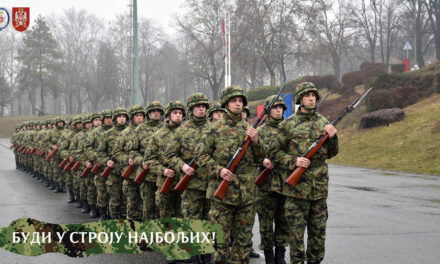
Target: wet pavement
[[375, 216]]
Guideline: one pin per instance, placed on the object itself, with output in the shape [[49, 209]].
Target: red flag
[[224, 40], [20, 18]]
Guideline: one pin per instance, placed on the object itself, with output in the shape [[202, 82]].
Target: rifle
[[32, 150], [107, 170], [96, 168], [140, 177], [52, 153], [126, 174], [181, 185], [86, 171], [69, 165], [11, 146], [62, 163], [233, 163], [76, 166], [38, 153], [262, 178], [167, 184], [42, 154], [296, 174]]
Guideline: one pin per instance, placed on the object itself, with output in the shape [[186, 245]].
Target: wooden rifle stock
[[96, 168], [293, 179], [42, 154], [69, 166], [107, 170], [76, 166], [167, 184], [181, 185], [38, 153], [140, 177], [52, 153], [221, 189], [32, 150], [11, 147], [16, 147], [62, 163], [126, 174], [86, 172], [262, 178]]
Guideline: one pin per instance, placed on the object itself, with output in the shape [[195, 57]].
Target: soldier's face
[[88, 125], [154, 114], [108, 121], [60, 124], [138, 118], [121, 119], [309, 99], [176, 115], [43, 126], [79, 125], [96, 121], [277, 111], [199, 110], [236, 104], [216, 115]]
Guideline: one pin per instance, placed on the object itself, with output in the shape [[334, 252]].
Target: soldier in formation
[[118, 164]]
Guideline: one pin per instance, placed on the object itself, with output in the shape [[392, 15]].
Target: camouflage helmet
[[154, 105], [247, 110], [136, 109], [278, 101], [120, 111], [215, 107], [197, 99], [303, 88], [95, 115], [232, 91], [60, 119], [175, 105], [75, 120], [86, 119], [107, 113]]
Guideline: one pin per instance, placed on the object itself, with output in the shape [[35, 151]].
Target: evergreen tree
[[41, 63]]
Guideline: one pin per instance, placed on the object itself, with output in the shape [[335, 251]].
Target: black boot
[[78, 201], [93, 211], [57, 187], [52, 185], [279, 255], [71, 196], [63, 187], [46, 182], [268, 256], [193, 260], [103, 213], [86, 207], [254, 254]]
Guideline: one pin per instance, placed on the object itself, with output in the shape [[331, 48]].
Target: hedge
[[382, 117], [261, 92]]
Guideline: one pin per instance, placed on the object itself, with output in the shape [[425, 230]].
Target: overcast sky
[[159, 11]]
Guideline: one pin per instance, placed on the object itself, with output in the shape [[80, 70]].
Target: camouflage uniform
[[125, 148], [71, 182], [82, 181], [270, 201], [306, 204], [116, 199], [148, 186], [235, 213], [180, 152], [53, 138], [168, 204], [63, 150], [92, 145]]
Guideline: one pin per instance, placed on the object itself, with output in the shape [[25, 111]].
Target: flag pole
[[229, 49]]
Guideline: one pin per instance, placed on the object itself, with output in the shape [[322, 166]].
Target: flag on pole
[[224, 40]]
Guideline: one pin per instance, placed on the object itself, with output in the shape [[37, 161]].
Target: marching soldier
[[144, 132], [63, 149], [53, 139], [235, 213], [181, 150], [270, 201], [123, 152], [168, 204], [306, 203]]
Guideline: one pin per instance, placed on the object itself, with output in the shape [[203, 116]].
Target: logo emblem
[[4, 18], [20, 18]]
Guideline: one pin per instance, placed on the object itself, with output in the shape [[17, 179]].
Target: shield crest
[[20, 18]]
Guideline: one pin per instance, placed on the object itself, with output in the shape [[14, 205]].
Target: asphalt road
[[375, 216]]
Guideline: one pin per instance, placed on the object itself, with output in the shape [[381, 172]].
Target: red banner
[[20, 18], [406, 62]]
